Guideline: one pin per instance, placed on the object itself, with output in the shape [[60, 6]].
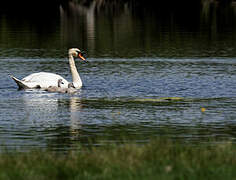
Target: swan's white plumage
[[45, 79]]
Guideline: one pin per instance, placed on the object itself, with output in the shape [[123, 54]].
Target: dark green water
[[137, 60]]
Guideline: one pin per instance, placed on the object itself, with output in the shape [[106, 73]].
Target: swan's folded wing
[[44, 80]]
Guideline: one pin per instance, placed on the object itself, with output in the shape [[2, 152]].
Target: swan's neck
[[75, 75]]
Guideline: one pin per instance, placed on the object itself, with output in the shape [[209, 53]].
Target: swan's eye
[[74, 54], [78, 52]]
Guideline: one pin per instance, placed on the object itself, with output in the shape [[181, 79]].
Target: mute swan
[[45, 79], [59, 89]]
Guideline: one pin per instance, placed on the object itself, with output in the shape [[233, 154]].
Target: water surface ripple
[[150, 72], [121, 97]]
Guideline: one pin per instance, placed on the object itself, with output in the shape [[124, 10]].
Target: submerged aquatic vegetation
[[161, 158]]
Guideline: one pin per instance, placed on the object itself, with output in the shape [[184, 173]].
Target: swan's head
[[60, 83], [75, 52]]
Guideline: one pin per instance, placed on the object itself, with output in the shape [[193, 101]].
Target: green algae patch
[[162, 99]]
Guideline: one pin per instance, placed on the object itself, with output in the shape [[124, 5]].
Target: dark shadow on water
[[120, 28]]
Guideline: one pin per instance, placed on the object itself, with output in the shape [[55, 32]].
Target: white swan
[[45, 80]]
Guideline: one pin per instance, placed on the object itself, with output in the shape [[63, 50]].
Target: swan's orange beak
[[81, 57]]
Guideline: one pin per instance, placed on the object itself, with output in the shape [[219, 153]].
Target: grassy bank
[[160, 158]]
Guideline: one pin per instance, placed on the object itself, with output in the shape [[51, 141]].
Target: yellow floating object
[[203, 109]]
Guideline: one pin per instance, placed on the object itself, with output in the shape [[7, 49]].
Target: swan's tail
[[20, 84]]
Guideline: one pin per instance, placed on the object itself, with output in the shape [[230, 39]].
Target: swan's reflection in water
[[75, 106], [54, 117]]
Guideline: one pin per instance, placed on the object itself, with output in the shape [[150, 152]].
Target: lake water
[[147, 75]]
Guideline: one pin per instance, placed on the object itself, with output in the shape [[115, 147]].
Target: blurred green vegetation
[[159, 159]]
